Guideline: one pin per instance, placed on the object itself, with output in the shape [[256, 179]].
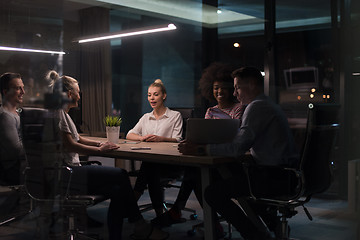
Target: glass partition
[[317, 57]]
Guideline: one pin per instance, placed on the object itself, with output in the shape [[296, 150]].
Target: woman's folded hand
[[108, 146], [152, 138]]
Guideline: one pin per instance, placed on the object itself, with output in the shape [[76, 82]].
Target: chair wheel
[[191, 232], [193, 216]]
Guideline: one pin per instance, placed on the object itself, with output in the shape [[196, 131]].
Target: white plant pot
[[112, 134]]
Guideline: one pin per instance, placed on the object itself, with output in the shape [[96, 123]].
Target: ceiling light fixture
[[2, 48], [133, 32]]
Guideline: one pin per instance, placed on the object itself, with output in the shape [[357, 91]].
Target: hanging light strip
[[2, 48], [134, 32]]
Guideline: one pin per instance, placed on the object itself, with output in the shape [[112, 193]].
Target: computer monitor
[[301, 78]]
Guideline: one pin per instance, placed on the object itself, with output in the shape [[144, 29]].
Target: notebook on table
[[205, 131]]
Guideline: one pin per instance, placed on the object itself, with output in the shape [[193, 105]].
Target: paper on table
[[140, 148], [131, 142]]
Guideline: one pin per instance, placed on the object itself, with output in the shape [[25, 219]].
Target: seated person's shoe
[[168, 218]]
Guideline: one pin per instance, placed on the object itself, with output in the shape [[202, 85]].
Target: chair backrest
[[43, 177], [32, 123], [41, 138], [32, 128], [321, 133], [186, 113]]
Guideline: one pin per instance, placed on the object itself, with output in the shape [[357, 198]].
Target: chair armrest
[[47, 183], [288, 182], [5, 190]]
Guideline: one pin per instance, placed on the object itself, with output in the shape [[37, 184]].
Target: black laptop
[[205, 131]]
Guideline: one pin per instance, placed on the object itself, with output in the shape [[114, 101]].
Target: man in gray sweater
[[12, 155]]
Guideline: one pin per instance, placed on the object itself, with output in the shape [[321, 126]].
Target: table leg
[[209, 214], [120, 163]]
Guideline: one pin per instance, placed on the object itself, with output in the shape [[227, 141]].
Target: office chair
[[170, 182], [47, 181], [312, 176], [12, 195]]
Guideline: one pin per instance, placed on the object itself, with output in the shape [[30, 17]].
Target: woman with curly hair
[[216, 84]]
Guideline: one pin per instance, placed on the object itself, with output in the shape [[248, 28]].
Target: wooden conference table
[[165, 152]]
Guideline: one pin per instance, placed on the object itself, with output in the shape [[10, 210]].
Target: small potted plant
[[112, 124]]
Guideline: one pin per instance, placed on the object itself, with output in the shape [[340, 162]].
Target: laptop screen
[[205, 131]]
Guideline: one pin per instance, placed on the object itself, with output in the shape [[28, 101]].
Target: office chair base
[[286, 238], [193, 216], [81, 235], [145, 207], [13, 219], [8, 221], [200, 229], [167, 207], [18, 216], [74, 233], [283, 231]]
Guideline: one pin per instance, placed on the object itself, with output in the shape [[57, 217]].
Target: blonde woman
[[99, 180], [160, 125]]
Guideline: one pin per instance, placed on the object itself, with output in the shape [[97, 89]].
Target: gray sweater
[[12, 153]]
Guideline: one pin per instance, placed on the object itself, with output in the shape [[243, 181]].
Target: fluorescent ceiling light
[[2, 48], [133, 32]]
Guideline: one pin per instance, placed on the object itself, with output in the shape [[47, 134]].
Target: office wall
[[137, 61], [172, 57]]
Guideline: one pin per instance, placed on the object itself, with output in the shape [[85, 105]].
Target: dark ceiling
[[21, 18], [286, 10]]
